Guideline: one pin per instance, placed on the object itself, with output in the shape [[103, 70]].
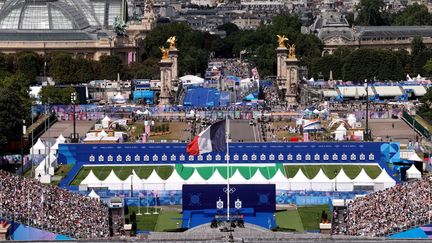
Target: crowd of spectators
[[234, 67], [392, 210], [375, 110], [52, 208]]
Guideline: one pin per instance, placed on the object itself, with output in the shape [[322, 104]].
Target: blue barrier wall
[[175, 153]]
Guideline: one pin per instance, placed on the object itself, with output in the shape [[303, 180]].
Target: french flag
[[212, 139]]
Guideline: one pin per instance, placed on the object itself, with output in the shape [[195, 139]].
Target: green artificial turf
[[289, 220], [351, 171], [144, 222], [166, 220], [123, 172], [311, 216]]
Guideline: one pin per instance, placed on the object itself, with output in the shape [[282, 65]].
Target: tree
[[428, 67], [326, 64], [417, 46], [426, 108], [372, 12], [419, 61], [62, 68], [149, 69], [56, 95], [229, 28], [11, 115], [110, 66], [28, 64], [413, 15], [19, 85], [84, 70]]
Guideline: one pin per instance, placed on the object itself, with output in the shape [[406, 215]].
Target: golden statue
[[291, 51], [172, 41], [281, 40], [164, 53]]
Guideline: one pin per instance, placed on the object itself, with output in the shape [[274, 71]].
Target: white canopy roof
[[39, 145], [415, 157], [258, 178], [195, 178], [363, 179], [136, 180], [112, 178], [174, 182], [385, 178], [281, 182], [106, 118], [61, 139], [342, 177], [102, 134], [237, 178], [300, 181], [93, 194], [91, 180], [55, 146], [343, 182], [413, 172], [216, 178], [341, 128], [321, 182], [191, 79], [154, 182]]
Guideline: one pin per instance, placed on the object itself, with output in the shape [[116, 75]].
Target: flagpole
[[227, 165]]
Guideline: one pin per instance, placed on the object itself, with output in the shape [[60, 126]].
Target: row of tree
[[380, 64]]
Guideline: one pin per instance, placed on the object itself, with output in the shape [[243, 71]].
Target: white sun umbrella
[[174, 182], [102, 134], [113, 182], [196, 178], [93, 194], [61, 139], [385, 180], [321, 182], [316, 111], [281, 182], [258, 178], [415, 157], [300, 182], [154, 182], [91, 180], [343, 182], [216, 178], [237, 178], [134, 180]]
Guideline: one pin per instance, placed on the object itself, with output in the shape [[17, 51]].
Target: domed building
[[80, 27]]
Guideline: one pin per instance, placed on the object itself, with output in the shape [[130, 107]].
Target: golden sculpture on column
[[281, 40], [164, 53], [172, 41], [291, 51]]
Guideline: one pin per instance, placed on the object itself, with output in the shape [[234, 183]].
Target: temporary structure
[[216, 178], [61, 139], [237, 178], [258, 178], [119, 99], [321, 182], [105, 122], [413, 172], [91, 180], [174, 182], [38, 148], [414, 157], [340, 133], [383, 181], [195, 178], [343, 182], [93, 194], [281, 182], [113, 182], [363, 179], [300, 182], [154, 182]]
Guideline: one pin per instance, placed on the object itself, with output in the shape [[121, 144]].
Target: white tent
[[113, 182], [415, 157], [321, 182], [174, 182], [363, 179], [105, 122], [343, 182], [55, 146], [102, 134], [383, 181], [216, 178], [351, 119], [47, 166], [93, 194], [195, 178], [135, 181], [413, 173], [340, 133], [61, 139], [154, 182], [281, 182], [91, 180], [300, 182], [237, 178], [38, 148], [191, 80], [258, 178], [119, 99], [316, 111]]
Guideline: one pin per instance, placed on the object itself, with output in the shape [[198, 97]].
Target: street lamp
[[335, 173], [22, 146], [367, 109], [131, 174], [74, 138]]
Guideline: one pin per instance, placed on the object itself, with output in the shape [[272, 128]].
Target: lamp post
[[131, 183], [367, 109], [335, 173], [74, 138]]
